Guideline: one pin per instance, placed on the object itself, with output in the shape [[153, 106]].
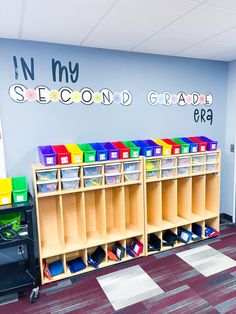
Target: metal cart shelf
[[18, 276]]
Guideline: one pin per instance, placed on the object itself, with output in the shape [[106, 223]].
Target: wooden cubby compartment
[[184, 198], [154, 206], [198, 196], [50, 260], [50, 227], [212, 222], [186, 227], [159, 235], [134, 213], [212, 193], [169, 203], [164, 248], [104, 261], [73, 255], [110, 246], [128, 241], [74, 221], [115, 213], [95, 217]]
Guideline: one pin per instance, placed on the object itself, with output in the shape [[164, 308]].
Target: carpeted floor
[[186, 290]]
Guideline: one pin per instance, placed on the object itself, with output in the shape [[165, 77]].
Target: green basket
[[14, 218], [184, 146], [134, 149], [89, 152], [19, 189]]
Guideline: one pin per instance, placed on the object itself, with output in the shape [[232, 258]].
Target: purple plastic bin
[[211, 145], [47, 156], [113, 152], [157, 149]]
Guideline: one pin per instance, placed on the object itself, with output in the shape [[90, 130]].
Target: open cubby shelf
[[82, 206]]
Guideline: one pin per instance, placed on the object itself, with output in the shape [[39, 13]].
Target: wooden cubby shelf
[[83, 206]]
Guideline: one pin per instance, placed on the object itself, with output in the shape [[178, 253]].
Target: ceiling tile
[[63, 21], [131, 22], [202, 23], [226, 4], [10, 14], [227, 56]]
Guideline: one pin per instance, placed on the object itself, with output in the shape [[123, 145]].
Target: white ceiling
[[190, 28]]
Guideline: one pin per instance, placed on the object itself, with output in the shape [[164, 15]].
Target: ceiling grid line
[[99, 21], [160, 30], [22, 17]]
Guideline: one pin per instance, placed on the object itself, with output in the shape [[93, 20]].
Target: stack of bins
[[19, 189], [157, 149], [101, 151], [76, 153], [184, 147], [134, 149], [124, 152], [145, 149], [193, 147], [88, 152], [113, 152], [201, 144]]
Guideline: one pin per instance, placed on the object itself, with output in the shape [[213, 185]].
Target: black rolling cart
[[20, 274]]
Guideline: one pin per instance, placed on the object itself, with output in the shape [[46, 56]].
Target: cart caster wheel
[[34, 295]]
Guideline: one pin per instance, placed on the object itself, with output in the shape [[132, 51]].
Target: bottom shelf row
[[178, 236], [77, 262]]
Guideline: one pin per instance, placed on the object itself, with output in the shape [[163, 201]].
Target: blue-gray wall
[[30, 124]]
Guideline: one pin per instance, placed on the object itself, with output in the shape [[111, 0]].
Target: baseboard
[[226, 217]]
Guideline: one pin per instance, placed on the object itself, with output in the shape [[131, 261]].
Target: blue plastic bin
[[193, 148], [113, 152], [101, 151], [157, 149], [145, 149]]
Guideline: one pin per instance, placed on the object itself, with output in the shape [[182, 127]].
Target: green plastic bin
[[89, 152], [19, 189], [184, 146], [11, 218], [134, 149]]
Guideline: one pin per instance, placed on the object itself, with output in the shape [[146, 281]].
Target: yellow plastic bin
[[166, 151], [76, 153], [5, 191]]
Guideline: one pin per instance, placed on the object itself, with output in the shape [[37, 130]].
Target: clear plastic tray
[[68, 173], [70, 184], [112, 178], [131, 166], [92, 181], [47, 186], [167, 173], [183, 161], [168, 162], [153, 174], [198, 169], [181, 171], [112, 168], [92, 170], [211, 157], [132, 176], [198, 159], [211, 167], [45, 175], [152, 164]]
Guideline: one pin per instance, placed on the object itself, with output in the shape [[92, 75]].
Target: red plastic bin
[[202, 146], [175, 150], [63, 156], [124, 152]]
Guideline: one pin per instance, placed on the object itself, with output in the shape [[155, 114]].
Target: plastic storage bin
[[198, 159], [184, 147], [69, 173], [112, 178], [175, 150], [166, 148], [5, 191], [19, 189], [201, 144], [152, 174], [193, 147], [70, 184], [95, 170], [112, 168], [168, 162], [113, 152], [92, 181], [183, 171], [63, 156], [183, 161], [211, 145], [198, 169], [211, 167], [124, 152], [168, 173], [134, 149], [47, 156], [131, 166], [152, 164], [47, 174], [145, 149], [211, 157], [47, 186], [101, 151], [157, 149], [76, 153], [88, 152], [132, 176]]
